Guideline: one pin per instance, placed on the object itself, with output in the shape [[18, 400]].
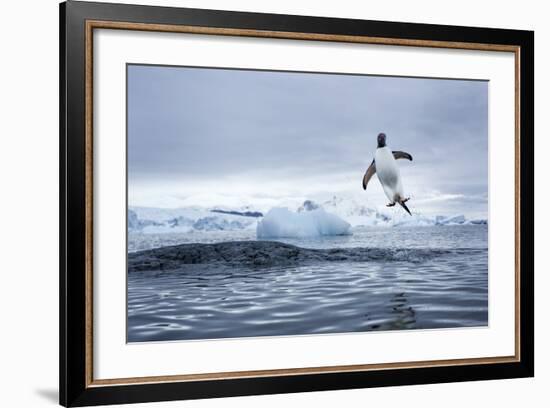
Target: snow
[[281, 222], [335, 216], [160, 220], [359, 215]]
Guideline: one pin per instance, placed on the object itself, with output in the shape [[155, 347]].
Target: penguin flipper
[[368, 175], [397, 154]]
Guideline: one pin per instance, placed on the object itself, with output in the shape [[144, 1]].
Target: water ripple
[[200, 301]]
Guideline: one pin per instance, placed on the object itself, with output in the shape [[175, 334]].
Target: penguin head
[[381, 140]]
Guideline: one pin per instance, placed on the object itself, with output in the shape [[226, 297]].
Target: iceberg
[[135, 223], [308, 218], [184, 220], [360, 215], [281, 222], [454, 220], [477, 222]]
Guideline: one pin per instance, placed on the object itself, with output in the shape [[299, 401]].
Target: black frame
[[72, 311]]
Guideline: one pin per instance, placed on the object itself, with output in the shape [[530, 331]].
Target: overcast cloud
[[225, 137]]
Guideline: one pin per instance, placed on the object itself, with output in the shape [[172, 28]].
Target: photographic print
[[252, 202], [274, 203]]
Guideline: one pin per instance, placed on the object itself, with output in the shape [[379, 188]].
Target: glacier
[[181, 220], [306, 218], [283, 223]]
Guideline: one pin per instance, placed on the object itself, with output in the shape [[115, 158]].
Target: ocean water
[[378, 278]]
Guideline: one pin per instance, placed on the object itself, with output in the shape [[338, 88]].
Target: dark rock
[[267, 254], [254, 214]]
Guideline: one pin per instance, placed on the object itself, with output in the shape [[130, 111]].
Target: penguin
[[386, 169]]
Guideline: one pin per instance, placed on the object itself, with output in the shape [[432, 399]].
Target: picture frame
[[78, 23]]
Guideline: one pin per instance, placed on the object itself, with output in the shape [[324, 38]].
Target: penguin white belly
[[388, 174]]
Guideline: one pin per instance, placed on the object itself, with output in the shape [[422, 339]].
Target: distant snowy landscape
[[332, 217]]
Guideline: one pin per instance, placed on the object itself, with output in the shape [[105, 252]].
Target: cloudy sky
[[218, 137]]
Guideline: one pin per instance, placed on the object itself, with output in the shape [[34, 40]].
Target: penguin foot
[[390, 204]]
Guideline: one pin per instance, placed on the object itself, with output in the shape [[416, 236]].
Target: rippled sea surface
[[417, 278]]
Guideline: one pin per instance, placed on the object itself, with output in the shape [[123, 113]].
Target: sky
[[228, 138]]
